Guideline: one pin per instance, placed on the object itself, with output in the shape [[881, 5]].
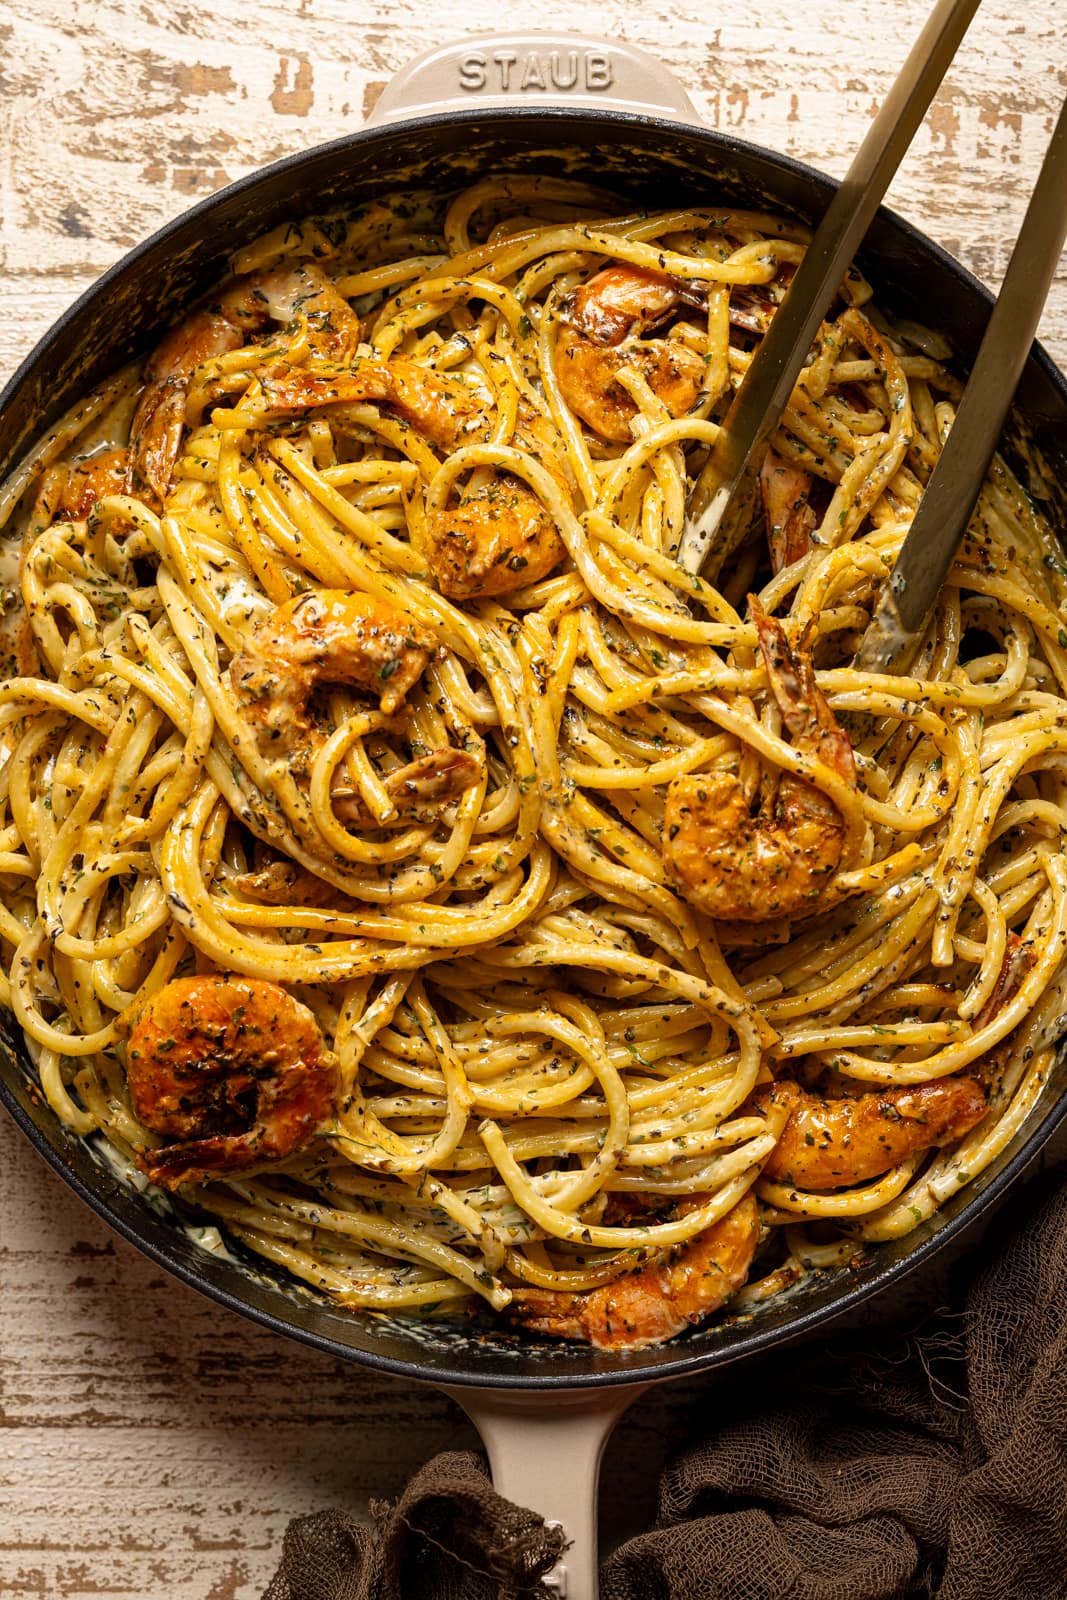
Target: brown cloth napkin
[[921, 1462]]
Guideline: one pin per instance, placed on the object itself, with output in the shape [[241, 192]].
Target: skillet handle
[[530, 70], [544, 1453]]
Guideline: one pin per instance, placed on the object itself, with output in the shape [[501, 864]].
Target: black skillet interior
[[654, 163]]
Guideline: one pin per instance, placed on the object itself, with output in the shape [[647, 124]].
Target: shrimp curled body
[[497, 536], [440, 407], [299, 296], [326, 636], [234, 1068], [832, 1143], [748, 867], [660, 1300], [417, 790], [606, 318]]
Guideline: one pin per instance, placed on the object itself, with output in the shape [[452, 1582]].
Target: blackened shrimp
[[325, 636], [747, 867], [299, 296], [417, 790], [234, 1069], [791, 521], [444, 409], [606, 321], [660, 1300], [496, 536], [833, 1143], [90, 480]]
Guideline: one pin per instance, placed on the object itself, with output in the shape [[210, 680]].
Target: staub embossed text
[[515, 72]]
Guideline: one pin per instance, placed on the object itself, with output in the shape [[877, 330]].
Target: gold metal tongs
[[719, 503], [896, 630]]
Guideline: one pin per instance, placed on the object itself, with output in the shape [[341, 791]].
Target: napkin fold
[[450, 1536], [928, 1460]]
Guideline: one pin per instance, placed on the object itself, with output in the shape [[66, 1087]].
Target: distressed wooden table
[[152, 1444]]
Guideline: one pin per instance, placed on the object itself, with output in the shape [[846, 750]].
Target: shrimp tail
[[624, 300], [159, 420], [803, 705], [659, 1301], [200, 1160], [1018, 959], [785, 491], [283, 883]]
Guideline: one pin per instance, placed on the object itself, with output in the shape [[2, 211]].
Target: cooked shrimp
[[660, 1300], [496, 539], [832, 1143], [300, 295], [1017, 962], [606, 318], [159, 421], [326, 636], [623, 301], [234, 1069], [90, 480], [418, 790], [444, 409], [283, 883], [748, 868], [785, 490], [587, 380], [498, 536], [752, 308], [1019, 958]]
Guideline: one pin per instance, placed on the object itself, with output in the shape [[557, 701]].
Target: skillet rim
[[715, 139], [554, 1366], [657, 1364]]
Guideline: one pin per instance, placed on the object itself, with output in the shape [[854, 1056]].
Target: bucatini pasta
[[403, 856]]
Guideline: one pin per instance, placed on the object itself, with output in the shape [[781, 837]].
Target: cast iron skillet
[[544, 1407]]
